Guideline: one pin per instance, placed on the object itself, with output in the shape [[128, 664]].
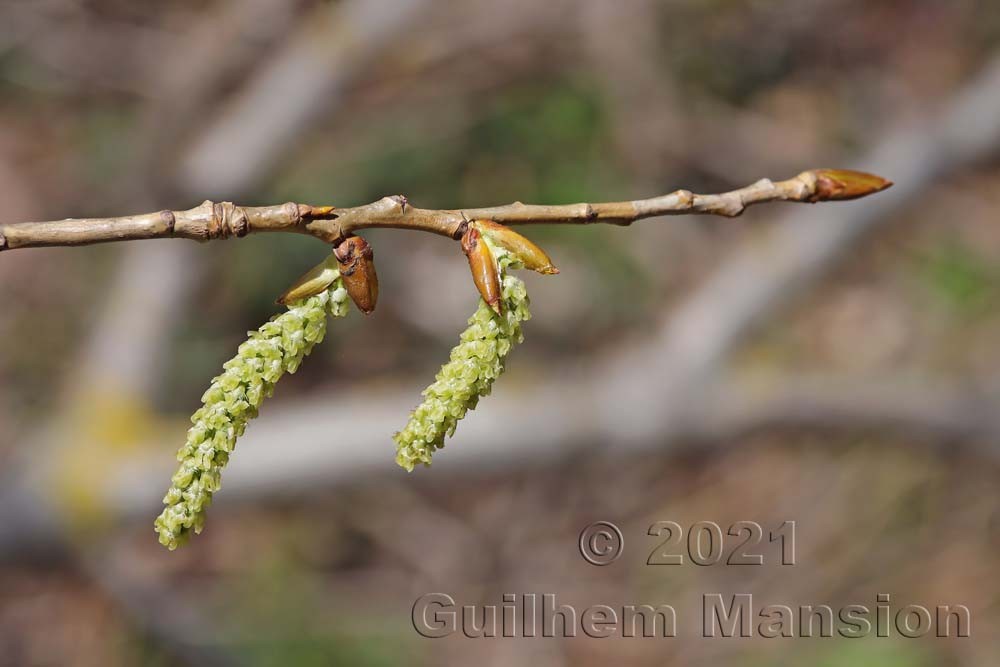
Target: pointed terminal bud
[[840, 184], [485, 273], [357, 268], [531, 255], [312, 282]]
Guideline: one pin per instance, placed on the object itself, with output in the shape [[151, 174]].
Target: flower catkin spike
[[475, 363], [357, 268], [233, 399], [485, 273], [312, 282], [533, 257]]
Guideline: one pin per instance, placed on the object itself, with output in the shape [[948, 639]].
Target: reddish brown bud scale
[[841, 184], [533, 257], [485, 273], [357, 269]]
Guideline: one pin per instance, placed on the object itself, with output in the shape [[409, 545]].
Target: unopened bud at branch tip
[[842, 184]]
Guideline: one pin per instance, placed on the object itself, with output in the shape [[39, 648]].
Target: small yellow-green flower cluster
[[233, 399], [475, 363]]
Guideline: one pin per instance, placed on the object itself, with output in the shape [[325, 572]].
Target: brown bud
[[840, 184], [531, 255], [485, 273], [307, 211], [357, 268], [312, 282]]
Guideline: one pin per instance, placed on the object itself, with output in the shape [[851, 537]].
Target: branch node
[[402, 201], [731, 205], [3, 242], [295, 211], [170, 220], [229, 220]]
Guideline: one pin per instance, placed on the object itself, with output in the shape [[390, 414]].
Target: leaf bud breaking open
[[357, 268], [312, 282], [485, 273], [533, 257]]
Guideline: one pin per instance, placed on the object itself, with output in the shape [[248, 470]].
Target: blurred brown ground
[[862, 406]]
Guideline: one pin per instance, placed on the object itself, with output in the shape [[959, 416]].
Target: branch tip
[[844, 184]]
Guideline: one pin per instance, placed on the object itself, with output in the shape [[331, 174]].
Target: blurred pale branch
[[330, 224], [305, 80]]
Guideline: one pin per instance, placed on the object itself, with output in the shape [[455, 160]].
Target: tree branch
[[222, 220]]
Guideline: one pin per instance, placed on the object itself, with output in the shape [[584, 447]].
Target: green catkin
[[233, 399], [475, 363]]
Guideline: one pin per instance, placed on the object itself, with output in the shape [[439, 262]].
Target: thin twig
[[222, 220]]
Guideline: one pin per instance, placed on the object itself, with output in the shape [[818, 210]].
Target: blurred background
[[834, 365]]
